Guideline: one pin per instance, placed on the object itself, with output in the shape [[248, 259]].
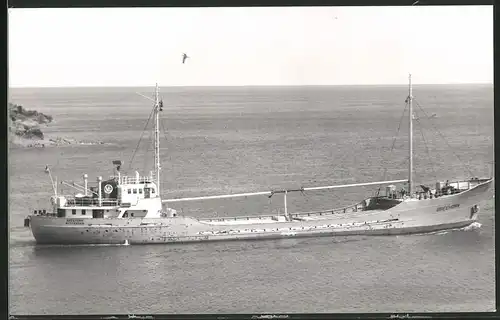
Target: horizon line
[[240, 86]]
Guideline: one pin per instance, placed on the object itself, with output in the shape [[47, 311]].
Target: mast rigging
[[157, 109], [410, 117]]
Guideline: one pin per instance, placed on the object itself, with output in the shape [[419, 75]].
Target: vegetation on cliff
[[24, 129], [25, 124]]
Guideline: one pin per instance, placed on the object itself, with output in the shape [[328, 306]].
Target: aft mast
[[410, 169], [158, 108]]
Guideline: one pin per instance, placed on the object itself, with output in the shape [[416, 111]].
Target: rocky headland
[[25, 129]]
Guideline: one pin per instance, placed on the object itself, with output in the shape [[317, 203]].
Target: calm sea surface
[[221, 140]]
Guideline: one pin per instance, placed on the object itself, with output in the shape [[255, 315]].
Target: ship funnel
[[137, 176]]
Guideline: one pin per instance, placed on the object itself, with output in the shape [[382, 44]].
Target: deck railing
[[132, 179], [92, 202], [348, 209], [450, 188]]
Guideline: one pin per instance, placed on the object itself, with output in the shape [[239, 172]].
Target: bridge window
[[152, 190], [140, 191], [83, 212], [129, 191], [73, 211], [135, 191]]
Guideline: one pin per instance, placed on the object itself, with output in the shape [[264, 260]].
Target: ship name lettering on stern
[[448, 207], [74, 221]]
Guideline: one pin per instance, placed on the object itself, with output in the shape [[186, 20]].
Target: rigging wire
[[426, 147], [384, 161], [140, 139], [326, 177], [164, 130], [149, 146], [442, 136]]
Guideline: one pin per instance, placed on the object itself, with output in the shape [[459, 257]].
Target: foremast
[[157, 109]]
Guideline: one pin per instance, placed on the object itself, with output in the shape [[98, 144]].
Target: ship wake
[[472, 226]]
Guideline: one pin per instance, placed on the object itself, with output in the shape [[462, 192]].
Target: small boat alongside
[[129, 209]]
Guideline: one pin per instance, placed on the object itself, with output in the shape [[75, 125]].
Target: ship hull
[[408, 217]]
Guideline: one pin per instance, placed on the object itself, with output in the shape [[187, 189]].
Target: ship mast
[[410, 169], [157, 138]]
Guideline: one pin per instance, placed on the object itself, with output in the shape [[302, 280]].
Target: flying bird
[[184, 57]]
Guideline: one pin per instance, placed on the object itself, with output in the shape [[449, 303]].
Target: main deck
[[370, 206]]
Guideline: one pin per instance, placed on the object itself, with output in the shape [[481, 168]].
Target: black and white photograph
[[242, 160]]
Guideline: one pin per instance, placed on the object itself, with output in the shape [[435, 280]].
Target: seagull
[[416, 2], [184, 57]]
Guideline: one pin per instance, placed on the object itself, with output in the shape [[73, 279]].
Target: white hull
[[410, 216]]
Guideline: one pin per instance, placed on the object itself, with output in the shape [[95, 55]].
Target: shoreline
[[23, 143]]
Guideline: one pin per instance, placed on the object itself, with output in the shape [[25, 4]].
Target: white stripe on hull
[[415, 216]]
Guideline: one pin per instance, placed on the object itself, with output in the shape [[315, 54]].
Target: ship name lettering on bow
[[74, 221]]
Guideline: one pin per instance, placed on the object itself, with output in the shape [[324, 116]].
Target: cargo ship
[[129, 209]]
